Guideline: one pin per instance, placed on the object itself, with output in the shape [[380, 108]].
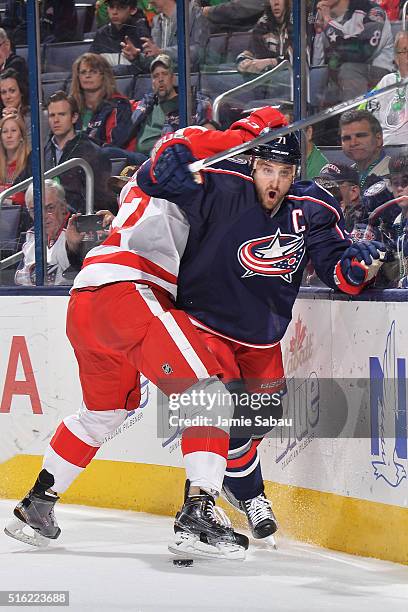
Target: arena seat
[[217, 82], [49, 87], [22, 52], [85, 13], [236, 43], [10, 218], [216, 50], [59, 57], [125, 84]]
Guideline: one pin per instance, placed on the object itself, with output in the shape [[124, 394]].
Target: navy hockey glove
[[359, 264], [171, 157]]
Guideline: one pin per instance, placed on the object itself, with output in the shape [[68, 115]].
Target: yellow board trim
[[347, 524]]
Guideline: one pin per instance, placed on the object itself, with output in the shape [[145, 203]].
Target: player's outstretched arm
[[359, 265]]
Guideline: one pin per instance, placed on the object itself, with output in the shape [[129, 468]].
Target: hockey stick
[[297, 125]]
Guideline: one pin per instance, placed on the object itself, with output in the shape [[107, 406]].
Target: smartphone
[[89, 223]]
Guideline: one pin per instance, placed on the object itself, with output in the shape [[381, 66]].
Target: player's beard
[[269, 198]]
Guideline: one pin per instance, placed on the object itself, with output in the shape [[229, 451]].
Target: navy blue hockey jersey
[[241, 269]]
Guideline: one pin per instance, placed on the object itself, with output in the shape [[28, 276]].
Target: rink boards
[[337, 475]]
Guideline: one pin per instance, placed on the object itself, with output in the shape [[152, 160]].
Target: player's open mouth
[[271, 194]]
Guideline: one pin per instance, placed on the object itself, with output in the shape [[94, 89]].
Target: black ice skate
[[204, 530], [36, 510], [258, 510]]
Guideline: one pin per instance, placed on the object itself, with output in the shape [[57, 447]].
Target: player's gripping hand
[[258, 120], [170, 158], [361, 262]]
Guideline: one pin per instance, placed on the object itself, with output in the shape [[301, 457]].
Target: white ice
[[118, 560]]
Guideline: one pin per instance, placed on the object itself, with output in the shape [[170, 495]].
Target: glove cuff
[[161, 145], [343, 284]]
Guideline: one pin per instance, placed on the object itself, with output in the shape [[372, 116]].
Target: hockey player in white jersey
[[122, 321]]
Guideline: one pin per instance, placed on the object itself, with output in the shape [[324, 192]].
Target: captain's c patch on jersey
[[275, 255]]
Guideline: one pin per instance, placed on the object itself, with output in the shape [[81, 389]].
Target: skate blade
[[190, 546], [270, 542], [15, 529]]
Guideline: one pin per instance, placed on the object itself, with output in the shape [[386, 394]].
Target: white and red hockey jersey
[[148, 239]]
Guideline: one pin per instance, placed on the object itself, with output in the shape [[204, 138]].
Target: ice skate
[[204, 531], [261, 519], [34, 521]]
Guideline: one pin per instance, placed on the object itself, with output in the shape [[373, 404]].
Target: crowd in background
[[353, 45]]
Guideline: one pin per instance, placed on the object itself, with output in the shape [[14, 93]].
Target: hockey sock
[[205, 452], [243, 475]]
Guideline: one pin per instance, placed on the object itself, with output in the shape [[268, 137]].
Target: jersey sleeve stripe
[[132, 260]]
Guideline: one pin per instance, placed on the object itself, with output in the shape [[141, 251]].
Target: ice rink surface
[[117, 560]]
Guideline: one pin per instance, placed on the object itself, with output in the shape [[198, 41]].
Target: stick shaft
[[297, 125]]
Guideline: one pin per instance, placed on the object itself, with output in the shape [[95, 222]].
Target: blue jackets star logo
[[275, 255]]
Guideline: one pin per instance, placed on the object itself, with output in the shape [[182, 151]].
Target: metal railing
[[67, 165], [246, 87]]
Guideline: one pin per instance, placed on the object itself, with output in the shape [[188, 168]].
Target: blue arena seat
[[125, 84], [236, 43], [10, 217], [216, 50], [23, 52], [59, 57], [49, 87]]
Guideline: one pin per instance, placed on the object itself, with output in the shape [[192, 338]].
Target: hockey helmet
[[283, 149]]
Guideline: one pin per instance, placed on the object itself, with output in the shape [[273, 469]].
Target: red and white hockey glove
[[257, 121], [170, 159], [359, 265]]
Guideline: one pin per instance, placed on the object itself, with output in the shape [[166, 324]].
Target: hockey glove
[[260, 119], [359, 264], [170, 159]]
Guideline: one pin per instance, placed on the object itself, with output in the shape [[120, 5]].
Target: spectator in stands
[[271, 40], [63, 238], [104, 114], [164, 37], [393, 230], [158, 113], [102, 17], [355, 41], [347, 181], [235, 15], [391, 110], [399, 234], [58, 21], [64, 143], [126, 23], [14, 97], [362, 142], [15, 155], [8, 59]]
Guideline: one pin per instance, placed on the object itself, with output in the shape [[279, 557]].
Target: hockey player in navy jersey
[[252, 231]]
